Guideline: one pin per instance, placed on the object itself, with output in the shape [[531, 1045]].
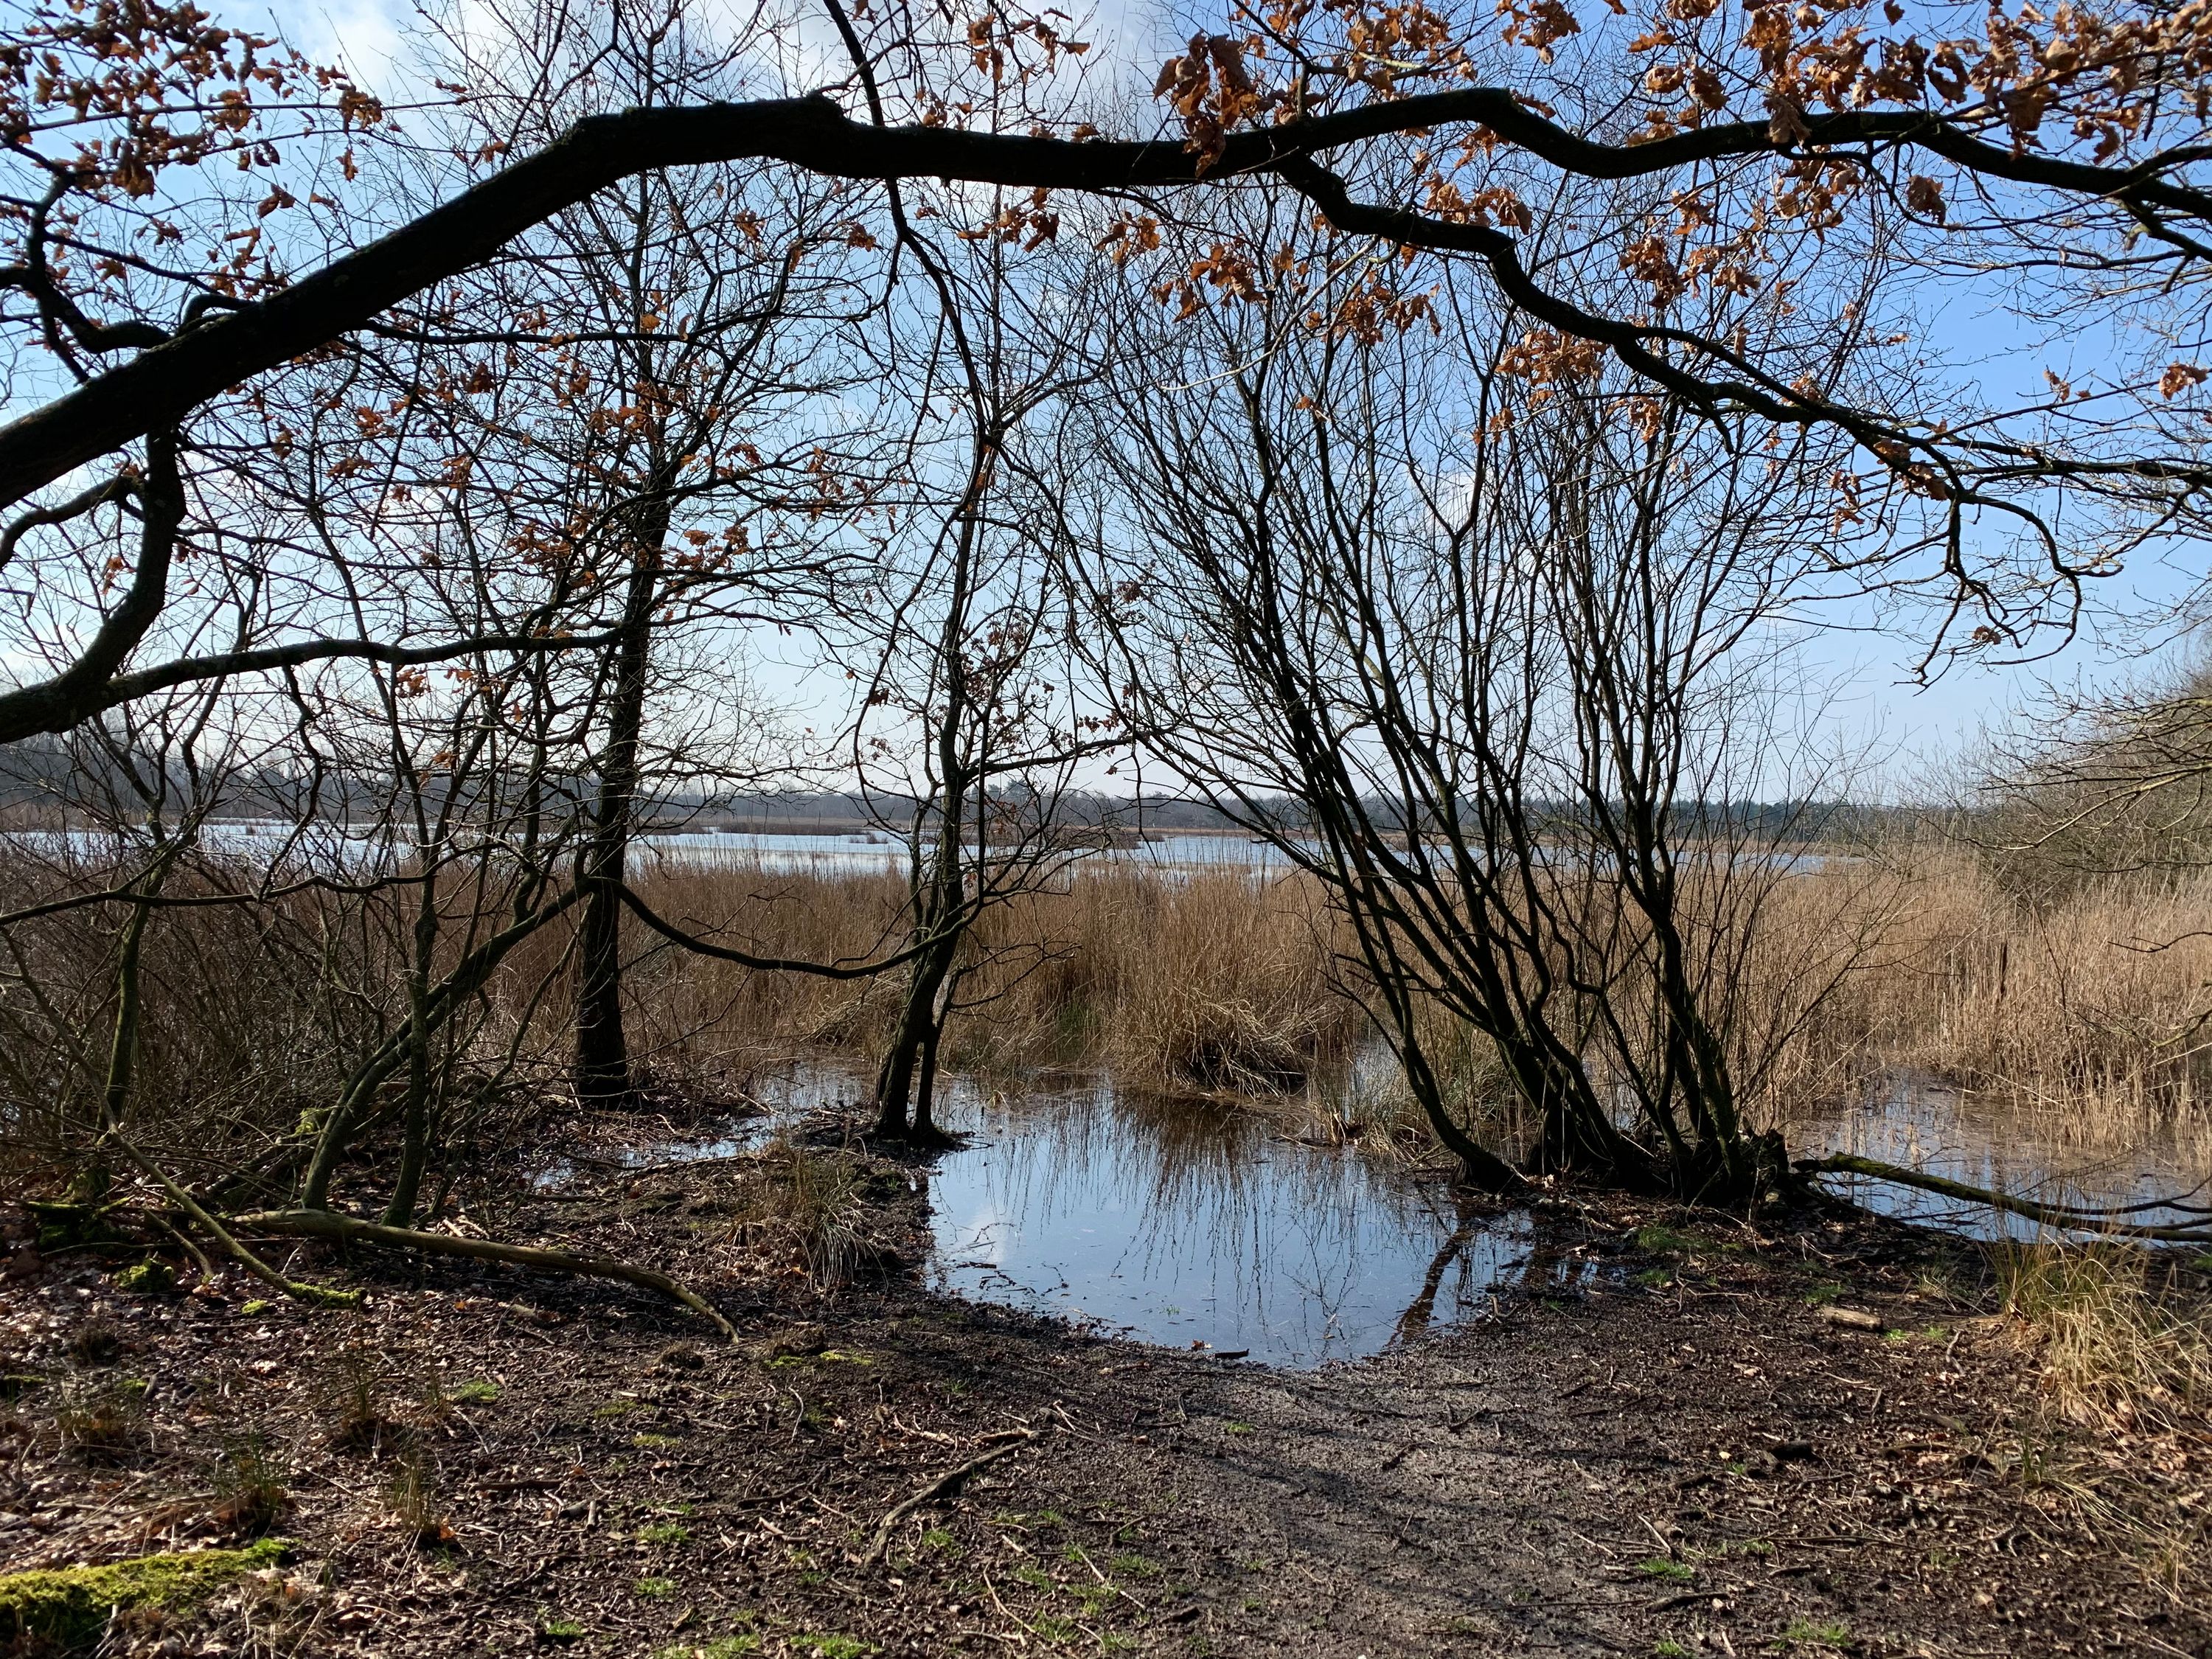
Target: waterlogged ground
[[1032, 1416], [2053, 1156], [1184, 1222], [1671, 1451], [1192, 1224]]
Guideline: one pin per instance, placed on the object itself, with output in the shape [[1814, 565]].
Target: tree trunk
[[603, 1075], [924, 1128], [123, 1047], [415, 1128], [913, 1035]]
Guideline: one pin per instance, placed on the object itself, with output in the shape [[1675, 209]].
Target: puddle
[[2045, 1156], [1175, 1222], [1186, 1224], [722, 1137], [1182, 1224]]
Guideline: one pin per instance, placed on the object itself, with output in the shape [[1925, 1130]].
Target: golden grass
[[1212, 980], [2125, 1355], [2088, 1017]]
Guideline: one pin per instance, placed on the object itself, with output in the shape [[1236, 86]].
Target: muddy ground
[[1683, 1455]]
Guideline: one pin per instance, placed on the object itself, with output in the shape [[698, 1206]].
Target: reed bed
[[2089, 1014], [1217, 980], [2092, 1012]]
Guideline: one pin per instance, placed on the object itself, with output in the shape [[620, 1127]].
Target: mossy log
[[69, 1607]]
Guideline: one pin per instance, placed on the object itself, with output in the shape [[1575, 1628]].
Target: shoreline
[[1686, 1451]]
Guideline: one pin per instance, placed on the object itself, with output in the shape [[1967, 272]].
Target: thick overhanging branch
[[74, 697], [1960, 465], [157, 387]]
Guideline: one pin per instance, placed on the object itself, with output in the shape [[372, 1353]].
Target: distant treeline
[[41, 779]]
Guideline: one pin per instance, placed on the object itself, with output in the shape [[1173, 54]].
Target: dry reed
[[2087, 1013]]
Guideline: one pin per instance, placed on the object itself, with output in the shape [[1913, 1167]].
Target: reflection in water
[[1181, 1222], [1184, 1222], [2042, 1154], [1173, 1221]]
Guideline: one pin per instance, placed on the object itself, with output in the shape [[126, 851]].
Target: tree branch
[[161, 384]]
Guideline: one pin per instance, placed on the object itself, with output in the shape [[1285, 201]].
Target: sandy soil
[[1683, 1456]]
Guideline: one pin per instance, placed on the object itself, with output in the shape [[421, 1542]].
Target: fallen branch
[[321, 1296], [328, 1224], [2055, 1215], [1011, 1442]]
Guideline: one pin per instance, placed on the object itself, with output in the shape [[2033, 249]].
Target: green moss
[[69, 1606], [722, 1647], [147, 1279], [1660, 1567], [832, 1646], [475, 1392], [664, 1532], [256, 1306], [655, 1589]]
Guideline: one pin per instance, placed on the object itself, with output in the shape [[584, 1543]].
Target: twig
[[207, 1267], [1017, 1438], [317, 1294], [325, 1223]]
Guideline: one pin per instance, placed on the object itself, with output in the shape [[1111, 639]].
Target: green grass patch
[[832, 1646], [654, 1589], [722, 1647], [1134, 1566], [664, 1532], [475, 1392], [1669, 1241], [69, 1606], [1814, 1633], [1673, 1571]]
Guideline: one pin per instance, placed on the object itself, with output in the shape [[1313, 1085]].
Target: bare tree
[[1490, 691]]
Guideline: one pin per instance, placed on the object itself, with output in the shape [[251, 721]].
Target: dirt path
[[1682, 1457]]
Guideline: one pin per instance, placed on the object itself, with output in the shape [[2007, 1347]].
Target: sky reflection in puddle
[[1180, 1223], [1184, 1221]]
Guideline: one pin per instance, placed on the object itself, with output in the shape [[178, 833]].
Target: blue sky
[[1919, 730]]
